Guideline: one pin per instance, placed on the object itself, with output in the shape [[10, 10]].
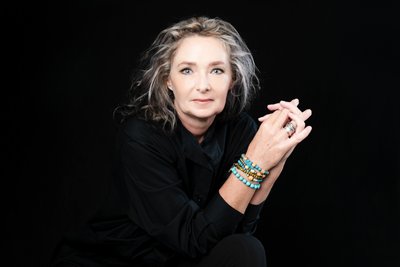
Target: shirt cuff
[[253, 211], [224, 218]]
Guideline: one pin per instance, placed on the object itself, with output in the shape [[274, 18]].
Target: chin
[[205, 114]]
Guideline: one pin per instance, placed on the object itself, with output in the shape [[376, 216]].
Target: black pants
[[237, 250]]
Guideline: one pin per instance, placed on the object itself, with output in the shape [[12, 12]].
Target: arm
[[267, 149], [254, 208], [301, 133]]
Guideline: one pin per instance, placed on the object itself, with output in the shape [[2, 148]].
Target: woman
[[192, 168]]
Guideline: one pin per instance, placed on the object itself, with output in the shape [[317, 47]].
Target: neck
[[197, 127]]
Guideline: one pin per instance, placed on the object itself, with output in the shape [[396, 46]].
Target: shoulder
[[138, 128], [145, 133]]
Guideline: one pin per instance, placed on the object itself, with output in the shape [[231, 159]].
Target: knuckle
[[285, 111]]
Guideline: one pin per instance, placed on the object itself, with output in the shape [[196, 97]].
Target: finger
[[291, 107], [306, 114], [263, 118], [274, 116], [281, 118], [299, 122], [270, 118], [279, 106], [295, 102], [295, 139], [275, 106]]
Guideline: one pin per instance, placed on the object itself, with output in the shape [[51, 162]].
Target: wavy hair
[[149, 96]]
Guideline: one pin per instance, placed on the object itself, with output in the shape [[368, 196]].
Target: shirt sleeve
[[160, 205], [251, 218], [242, 134]]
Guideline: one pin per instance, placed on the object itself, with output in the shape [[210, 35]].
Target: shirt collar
[[210, 151]]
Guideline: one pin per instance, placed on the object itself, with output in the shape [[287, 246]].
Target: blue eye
[[186, 71], [217, 71]]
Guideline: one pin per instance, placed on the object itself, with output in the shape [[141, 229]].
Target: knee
[[246, 248]]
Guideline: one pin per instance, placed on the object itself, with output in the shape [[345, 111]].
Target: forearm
[[236, 194], [262, 194]]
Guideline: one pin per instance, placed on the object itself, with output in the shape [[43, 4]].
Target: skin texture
[[200, 79]]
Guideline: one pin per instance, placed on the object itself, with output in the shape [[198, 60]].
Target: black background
[[337, 202]]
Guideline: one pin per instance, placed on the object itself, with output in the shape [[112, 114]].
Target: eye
[[217, 71], [186, 71]]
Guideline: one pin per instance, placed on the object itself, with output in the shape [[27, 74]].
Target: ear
[[231, 85], [169, 84]]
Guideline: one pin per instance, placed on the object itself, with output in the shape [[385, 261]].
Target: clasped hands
[[273, 144]]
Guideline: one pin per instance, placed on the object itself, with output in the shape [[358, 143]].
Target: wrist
[[262, 194], [263, 163]]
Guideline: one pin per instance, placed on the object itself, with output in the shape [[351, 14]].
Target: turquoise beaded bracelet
[[244, 180], [252, 165]]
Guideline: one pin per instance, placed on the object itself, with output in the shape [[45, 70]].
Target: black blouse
[[164, 199]]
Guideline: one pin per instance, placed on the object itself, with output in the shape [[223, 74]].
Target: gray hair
[[149, 95]]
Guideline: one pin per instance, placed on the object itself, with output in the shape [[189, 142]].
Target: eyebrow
[[214, 63]]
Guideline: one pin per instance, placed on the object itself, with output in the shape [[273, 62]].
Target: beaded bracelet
[[250, 173], [244, 180], [252, 165]]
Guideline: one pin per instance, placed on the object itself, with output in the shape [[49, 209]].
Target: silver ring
[[290, 128]]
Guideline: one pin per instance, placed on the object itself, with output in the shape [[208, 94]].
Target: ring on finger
[[290, 128]]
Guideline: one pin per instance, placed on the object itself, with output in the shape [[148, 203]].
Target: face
[[200, 78]]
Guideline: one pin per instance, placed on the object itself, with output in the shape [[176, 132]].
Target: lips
[[201, 100]]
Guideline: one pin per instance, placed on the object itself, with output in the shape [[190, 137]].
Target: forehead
[[201, 49]]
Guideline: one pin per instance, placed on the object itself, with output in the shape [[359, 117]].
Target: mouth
[[202, 100]]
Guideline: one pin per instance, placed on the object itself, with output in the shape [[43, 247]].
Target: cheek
[[222, 82], [182, 86], [222, 96]]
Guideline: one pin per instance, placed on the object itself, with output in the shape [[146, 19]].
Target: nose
[[203, 84]]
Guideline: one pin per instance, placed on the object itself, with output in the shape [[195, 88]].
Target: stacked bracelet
[[244, 180], [252, 165], [253, 172], [250, 174]]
